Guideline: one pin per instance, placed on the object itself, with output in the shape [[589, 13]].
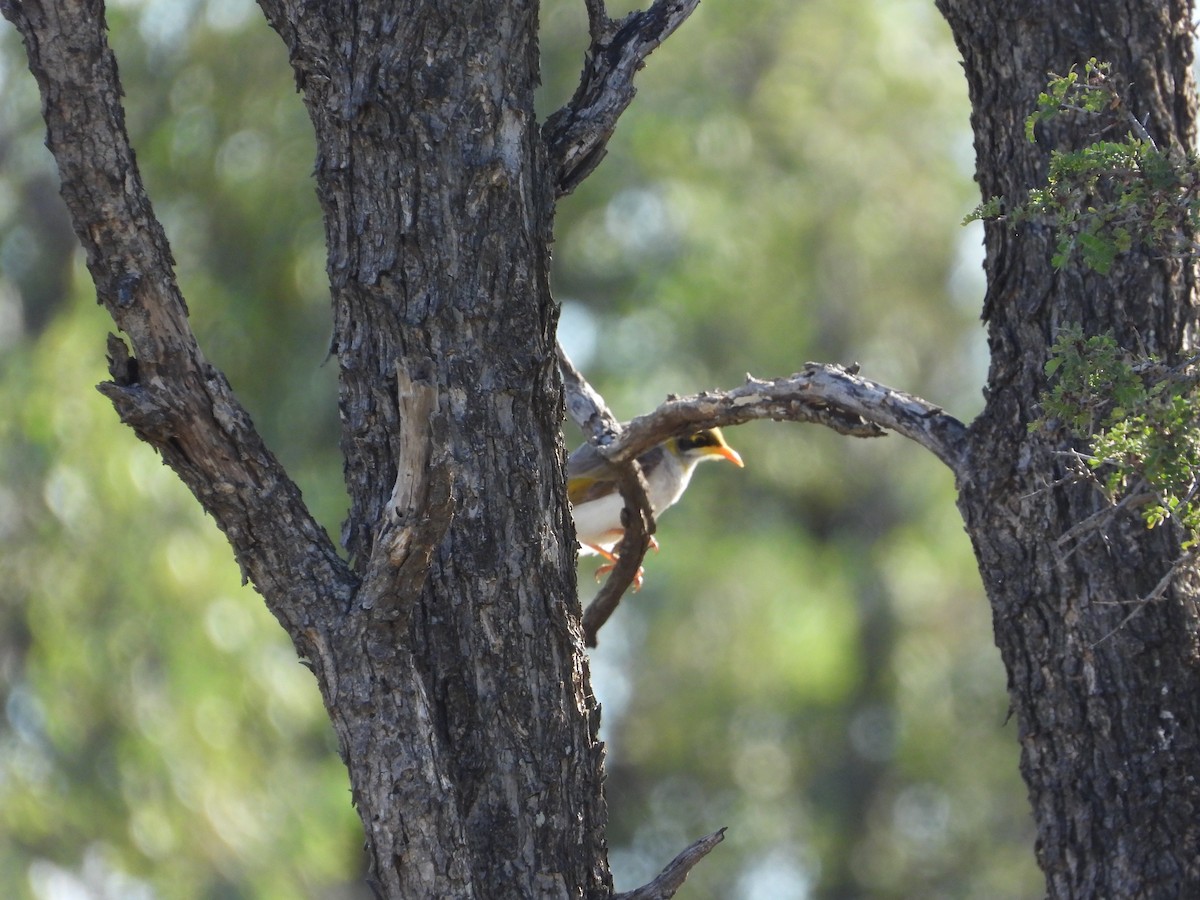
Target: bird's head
[[706, 444]]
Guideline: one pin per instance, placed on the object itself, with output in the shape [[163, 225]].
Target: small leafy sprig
[[1138, 417], [1104, 198], [1091, 94]]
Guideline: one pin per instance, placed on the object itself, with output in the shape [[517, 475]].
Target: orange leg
[[600, 550], [612, 562]]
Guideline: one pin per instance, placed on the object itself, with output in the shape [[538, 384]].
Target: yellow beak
[[730, 454]]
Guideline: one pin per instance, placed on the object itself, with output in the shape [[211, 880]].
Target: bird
[[596, 502]]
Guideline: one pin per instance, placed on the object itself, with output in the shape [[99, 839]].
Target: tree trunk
[[464, 712], [1105, 689]]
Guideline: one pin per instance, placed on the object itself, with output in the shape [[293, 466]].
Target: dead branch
[[577, 135], [675, 874], [585, 407], [822, 393], [638, 520], [1187, 558]]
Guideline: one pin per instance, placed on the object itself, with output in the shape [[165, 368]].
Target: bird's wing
[[590, 476], [580, 490]]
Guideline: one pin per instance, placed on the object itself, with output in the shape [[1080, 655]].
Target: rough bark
[[449, 652], [449, 649], [462, 706], [1107, 705]]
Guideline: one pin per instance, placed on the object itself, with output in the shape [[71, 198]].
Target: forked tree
[[450, 646]]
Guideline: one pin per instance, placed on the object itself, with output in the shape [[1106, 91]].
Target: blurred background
[[810, 662]]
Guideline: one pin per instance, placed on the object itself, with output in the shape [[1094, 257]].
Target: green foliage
[[158, 736], [1067, 92], [1139, 419], [1095, 381], [1108, 196]]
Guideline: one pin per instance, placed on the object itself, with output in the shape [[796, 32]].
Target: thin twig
[[1083, 473], [1096, 520], [675, 874], [1102, 86]]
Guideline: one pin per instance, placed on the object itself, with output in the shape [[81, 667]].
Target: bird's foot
[[612, 564], [609, 566]]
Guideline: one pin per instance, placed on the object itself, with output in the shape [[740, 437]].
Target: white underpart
[[596, 519]]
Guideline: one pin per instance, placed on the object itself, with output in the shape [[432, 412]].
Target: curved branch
[[823, 393], [171, 396], [578, 134]]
